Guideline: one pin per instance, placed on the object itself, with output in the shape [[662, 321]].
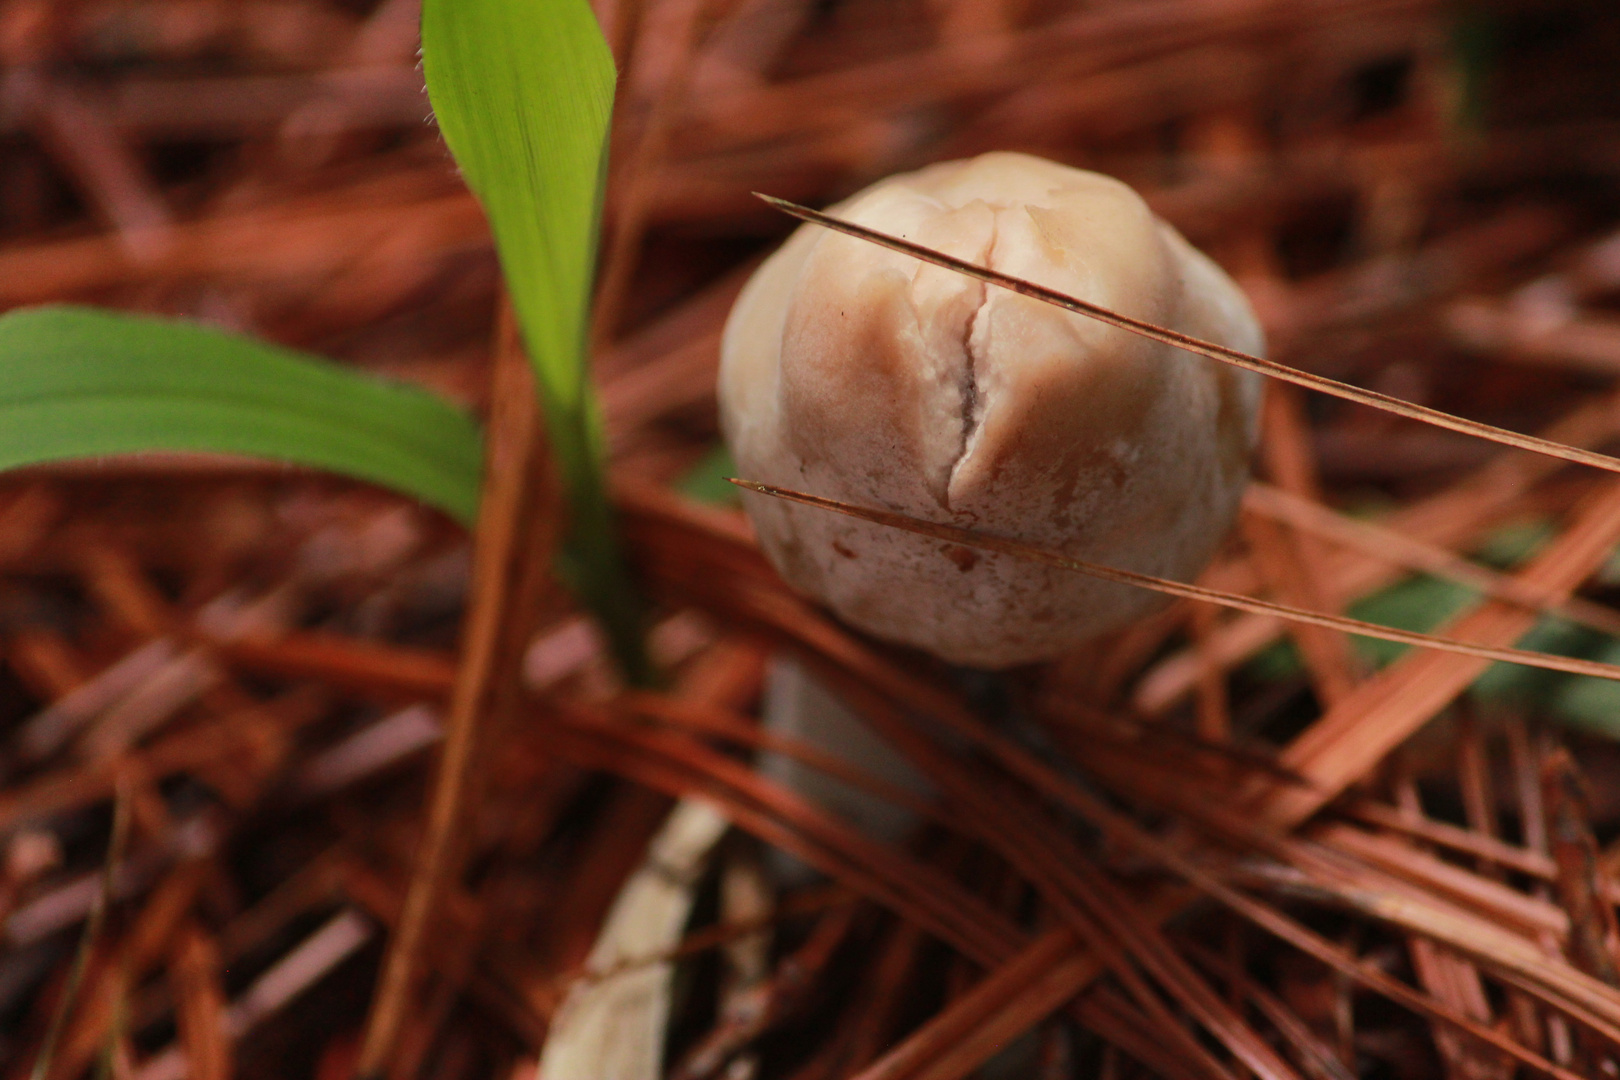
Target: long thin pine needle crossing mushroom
[[1019, 550], [1213, 350]]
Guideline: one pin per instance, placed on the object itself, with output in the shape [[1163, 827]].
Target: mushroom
[[864, 375]]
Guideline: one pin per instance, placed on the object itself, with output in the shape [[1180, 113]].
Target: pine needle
[[1223, 353], [116, 846], [1032, 553]]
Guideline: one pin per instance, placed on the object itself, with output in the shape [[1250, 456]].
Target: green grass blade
[[77, 383], [523, 92]]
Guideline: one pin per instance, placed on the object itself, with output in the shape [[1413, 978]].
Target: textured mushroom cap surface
[[857, 373]]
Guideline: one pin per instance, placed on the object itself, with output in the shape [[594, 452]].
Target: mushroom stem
[[799, 706]]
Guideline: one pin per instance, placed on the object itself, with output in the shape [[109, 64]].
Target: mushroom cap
[[861, 374]]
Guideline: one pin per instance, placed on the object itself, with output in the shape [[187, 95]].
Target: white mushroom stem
[[797, 706]]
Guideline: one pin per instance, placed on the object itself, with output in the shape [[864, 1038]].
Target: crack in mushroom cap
[[861, 374]]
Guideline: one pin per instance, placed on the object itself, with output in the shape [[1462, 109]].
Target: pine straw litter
[[300, 780]]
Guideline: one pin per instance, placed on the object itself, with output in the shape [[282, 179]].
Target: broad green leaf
[[76, 383], [1592, 704], [523, 91], [1424, 603], [1418, 603], [706, 481], [1510, 545]]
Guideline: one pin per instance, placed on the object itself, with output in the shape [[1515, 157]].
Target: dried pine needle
[[1223, 353], [1018, 549]]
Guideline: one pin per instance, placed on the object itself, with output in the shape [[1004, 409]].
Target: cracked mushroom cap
[[857, 373]]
